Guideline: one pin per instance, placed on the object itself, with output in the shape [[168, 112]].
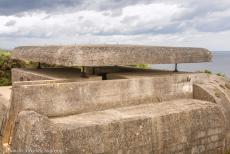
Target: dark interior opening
[[104, 76]]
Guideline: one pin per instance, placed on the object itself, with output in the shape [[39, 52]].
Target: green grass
[[5, 52], [143, 66]]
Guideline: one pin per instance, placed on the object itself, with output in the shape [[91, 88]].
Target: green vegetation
[[207, 71], [6, 64], [220, 74], [144, 66]]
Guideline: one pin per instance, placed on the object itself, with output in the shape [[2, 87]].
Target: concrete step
[[185, 125]]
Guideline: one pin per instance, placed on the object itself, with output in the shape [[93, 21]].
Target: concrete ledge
[[109, 55], [71, 74], [182, 126]]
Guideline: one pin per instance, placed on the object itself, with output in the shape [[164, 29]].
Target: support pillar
[[39, 66], [176, 69]]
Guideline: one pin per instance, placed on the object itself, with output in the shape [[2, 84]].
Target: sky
[[192, 23]]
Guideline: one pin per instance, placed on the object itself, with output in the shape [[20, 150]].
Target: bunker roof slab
[[110, 55]]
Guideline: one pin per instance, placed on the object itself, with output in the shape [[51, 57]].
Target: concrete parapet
[[66, 98], [71, 74], [88, 96], [216, 90], [180, 126]]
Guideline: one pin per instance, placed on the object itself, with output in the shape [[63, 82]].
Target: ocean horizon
[[219, 64]]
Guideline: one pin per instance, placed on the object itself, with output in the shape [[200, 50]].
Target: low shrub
[[6, 64]]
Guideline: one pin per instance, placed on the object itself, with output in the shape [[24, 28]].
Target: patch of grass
[[5, 81]]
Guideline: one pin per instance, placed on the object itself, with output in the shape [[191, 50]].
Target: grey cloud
[[216, 25], [144, 29], [14, 7], [47, 17], [193, 17], [201, 8], [130, 19], [10, 23]]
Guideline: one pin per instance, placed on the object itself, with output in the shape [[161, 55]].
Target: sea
[[219, 64]]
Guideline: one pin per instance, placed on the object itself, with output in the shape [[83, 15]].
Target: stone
[[110, 55]]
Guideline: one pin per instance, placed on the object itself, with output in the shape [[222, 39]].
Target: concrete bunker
[[132, 111]]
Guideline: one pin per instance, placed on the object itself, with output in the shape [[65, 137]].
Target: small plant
[[220, 74], [207, 71], [143, 66], [217, 93]]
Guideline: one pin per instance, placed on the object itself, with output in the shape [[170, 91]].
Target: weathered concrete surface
[[182, 126], [5, 93], [142, 111], [4, 105], [216, 89], [156, 73], [106, 55], [3, 111], [61, 99], [71, 74]]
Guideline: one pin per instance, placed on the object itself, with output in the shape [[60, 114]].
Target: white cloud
[[175, 23]]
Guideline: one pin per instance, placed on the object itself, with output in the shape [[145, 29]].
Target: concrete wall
[[62, 99], [216, 90], [23, 75], [3, 118], [123, 115], [60, 74], [185, 126], [58, 99]]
